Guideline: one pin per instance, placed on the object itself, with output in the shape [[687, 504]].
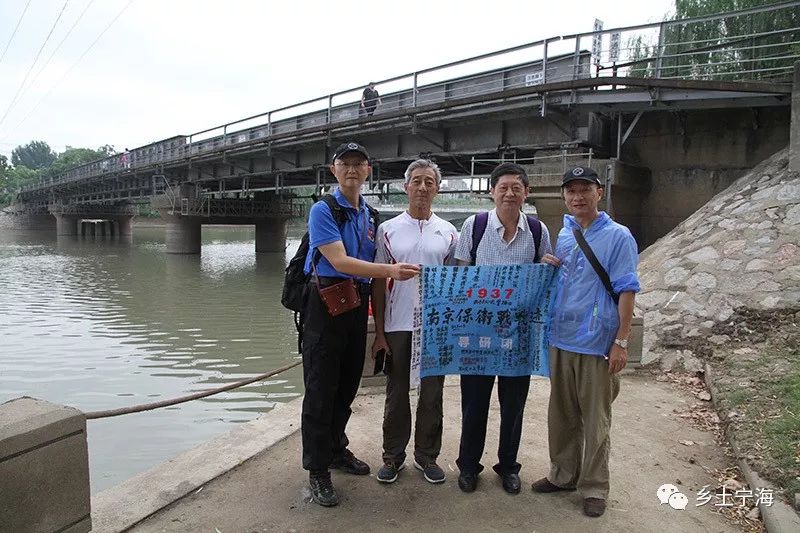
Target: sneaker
[[389, 471], [467, 481], [594, 507], [545, 486], [347, 462], [322, 491], [433, 473]]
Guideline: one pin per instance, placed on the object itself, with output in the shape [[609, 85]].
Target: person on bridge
[[370, 99], [334, 343], [589, 335], [509, 238], [416, 236]]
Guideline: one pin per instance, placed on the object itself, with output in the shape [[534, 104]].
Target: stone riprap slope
[[742, 249]]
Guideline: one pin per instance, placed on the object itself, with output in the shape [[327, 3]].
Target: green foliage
[[34, 155], [35, 160], [73, 157], [756, 46]]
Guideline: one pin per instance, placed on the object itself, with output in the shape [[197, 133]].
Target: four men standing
[[589, 330]]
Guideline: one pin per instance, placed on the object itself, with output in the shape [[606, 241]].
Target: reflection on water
[[98, 324]]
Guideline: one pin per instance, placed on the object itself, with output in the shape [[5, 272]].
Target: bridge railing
[[759, 43]]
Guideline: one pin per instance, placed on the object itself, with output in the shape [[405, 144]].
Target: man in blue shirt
[[589, 334], [334, 346]]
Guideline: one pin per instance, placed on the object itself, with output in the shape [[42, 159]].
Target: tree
[[34, 155], [73, 157], [755, 46]]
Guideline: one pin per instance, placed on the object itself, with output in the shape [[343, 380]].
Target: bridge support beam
[[183, 235], [271, 235], [66, 225], [794, 125]]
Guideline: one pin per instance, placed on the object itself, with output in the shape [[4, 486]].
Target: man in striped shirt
[[509, 238]]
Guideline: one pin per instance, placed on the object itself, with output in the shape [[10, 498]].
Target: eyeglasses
[[342, 164]]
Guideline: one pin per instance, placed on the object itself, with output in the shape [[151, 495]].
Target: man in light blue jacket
[[589, 334]]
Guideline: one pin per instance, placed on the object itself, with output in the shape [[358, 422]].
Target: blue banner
[[485, 320]]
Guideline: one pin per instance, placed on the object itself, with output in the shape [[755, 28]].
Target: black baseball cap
[[581, 173], [346, 148]]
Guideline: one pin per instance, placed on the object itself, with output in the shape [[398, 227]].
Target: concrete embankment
[[268, 492], [739, 250]]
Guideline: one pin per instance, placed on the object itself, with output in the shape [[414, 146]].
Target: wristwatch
[[622, 343]]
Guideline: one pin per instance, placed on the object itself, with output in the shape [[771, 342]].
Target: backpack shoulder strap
[[338, 212], [535, 225], [478, 229], [374, 215]]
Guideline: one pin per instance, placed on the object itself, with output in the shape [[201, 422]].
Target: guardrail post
[[224, 135], [577, 65], [269, 124], [544, 63], [660, 51], [414, 91], [330, 108]]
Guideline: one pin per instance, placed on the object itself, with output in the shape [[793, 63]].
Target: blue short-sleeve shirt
[[357, 234]]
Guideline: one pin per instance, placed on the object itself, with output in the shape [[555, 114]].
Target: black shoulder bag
[[587, 251]]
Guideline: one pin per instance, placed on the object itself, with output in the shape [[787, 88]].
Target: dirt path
[[268, 493]]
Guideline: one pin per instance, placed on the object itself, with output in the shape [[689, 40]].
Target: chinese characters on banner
[[485, 320]]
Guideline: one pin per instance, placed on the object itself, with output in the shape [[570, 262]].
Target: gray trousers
[[579, 421], [397, 411]]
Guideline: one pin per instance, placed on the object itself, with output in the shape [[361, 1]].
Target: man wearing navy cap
[[333, 346], [589, 334]]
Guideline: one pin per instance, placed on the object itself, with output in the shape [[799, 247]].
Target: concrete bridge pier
[[183, 235], [124, 226], [271, 235], [66, 225]]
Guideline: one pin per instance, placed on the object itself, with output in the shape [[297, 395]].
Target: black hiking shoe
[[347, 462], [389, 471], [322, 491]]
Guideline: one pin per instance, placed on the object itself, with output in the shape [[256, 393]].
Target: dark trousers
[[397, 409], [476, 392], [333, 360]]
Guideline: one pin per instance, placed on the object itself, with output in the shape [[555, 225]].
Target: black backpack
[[479, 228], [295, 280]]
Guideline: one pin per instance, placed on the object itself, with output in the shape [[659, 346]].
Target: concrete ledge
[[44, 468], [120, 507], [778, 517]]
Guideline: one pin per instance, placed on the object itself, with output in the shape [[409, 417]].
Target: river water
[[99, 324]]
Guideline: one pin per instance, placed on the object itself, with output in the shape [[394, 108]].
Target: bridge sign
[[597, 41]]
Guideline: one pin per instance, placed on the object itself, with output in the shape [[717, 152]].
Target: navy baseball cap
[[581, 173], [346, 148]]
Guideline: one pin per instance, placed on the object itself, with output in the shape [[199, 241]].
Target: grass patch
[[757, 375]]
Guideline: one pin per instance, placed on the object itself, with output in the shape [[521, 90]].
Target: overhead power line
[[75, 64], [39, 53], [58, 46], [15, 30]]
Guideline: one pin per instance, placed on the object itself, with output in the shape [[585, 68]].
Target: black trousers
[[333, 360], [476, 392]]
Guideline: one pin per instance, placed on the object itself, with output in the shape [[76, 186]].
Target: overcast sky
[[169, 67]]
